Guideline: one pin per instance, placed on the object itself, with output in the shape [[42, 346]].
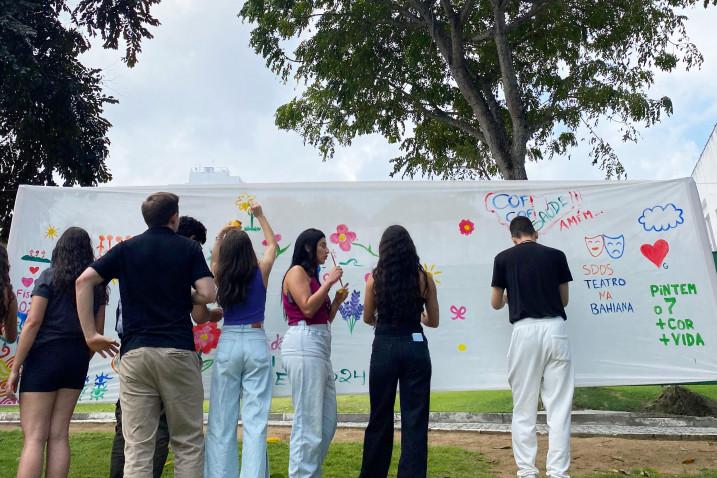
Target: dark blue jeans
[[398, 360]]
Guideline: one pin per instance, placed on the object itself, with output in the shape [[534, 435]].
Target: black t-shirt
[[156, 271], [532, 274], [61, 321]]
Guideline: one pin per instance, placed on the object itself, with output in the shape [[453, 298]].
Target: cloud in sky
[[200, 96]]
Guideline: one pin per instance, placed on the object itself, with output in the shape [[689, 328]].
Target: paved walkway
[[585, 423]]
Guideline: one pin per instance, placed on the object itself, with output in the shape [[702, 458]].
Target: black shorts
[[55, 365]]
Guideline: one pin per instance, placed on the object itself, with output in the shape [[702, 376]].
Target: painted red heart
[[33, 270], [27, 281], [656, 252]]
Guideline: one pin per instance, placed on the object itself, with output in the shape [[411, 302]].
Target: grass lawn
[[630, 399], [91, 451]]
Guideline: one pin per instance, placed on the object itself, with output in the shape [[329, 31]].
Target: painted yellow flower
[[462, 347], [243, 202], [51, 232], [433, 272]]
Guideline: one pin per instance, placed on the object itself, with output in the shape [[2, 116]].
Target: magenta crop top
[[294, 314]]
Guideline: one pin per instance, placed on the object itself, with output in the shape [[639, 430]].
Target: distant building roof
[[212, 175]]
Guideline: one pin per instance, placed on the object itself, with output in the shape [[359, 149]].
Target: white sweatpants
[[540, 364]]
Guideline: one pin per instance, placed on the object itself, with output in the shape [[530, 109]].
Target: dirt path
[[589, 454]]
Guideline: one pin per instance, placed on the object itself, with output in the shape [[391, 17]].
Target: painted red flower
[[277, 237], [206, 336], [343, 237], [466, 227]]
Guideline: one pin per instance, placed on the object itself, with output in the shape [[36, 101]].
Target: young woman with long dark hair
[[8, 301], [52, 358], [242, 368], [400, 297], [306, 353]]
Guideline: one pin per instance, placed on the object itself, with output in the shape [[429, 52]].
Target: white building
[[705, 175], [210, 175]]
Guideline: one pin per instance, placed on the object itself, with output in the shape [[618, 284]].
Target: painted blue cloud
[[662, 218]]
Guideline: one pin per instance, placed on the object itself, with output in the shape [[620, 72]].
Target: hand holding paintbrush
[[343, 292]]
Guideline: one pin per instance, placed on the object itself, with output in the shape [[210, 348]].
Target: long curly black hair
[[397, 278], [70, 257], [5, 285], [236, 265]]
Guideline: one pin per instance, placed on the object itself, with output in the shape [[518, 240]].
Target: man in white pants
[[533, 279]]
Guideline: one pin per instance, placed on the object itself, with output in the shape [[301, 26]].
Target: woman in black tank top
[[400, 298]]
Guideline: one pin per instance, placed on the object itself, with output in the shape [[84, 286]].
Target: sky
[[200, 96]]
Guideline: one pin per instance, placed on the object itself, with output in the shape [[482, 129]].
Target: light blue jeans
[[306, 355], [242, 372]]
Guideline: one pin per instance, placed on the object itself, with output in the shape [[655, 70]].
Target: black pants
[[161, 448], [398, 360]]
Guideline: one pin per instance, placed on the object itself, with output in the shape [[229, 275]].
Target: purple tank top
[[294, 314], [252, 309]]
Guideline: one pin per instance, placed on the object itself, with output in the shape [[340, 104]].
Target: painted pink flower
[[343, 237], [277, 237], [206, 336]]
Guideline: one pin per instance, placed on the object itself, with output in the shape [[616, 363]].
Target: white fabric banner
[[643, 300]]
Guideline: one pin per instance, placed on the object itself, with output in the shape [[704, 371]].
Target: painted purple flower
[[352, 310]]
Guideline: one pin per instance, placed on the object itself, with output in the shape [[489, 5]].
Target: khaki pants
[[150, 376]]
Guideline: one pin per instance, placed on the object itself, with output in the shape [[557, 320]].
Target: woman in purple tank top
[[242, 368], [306, 353]]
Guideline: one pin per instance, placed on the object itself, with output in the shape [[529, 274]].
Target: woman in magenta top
[[306, 353]]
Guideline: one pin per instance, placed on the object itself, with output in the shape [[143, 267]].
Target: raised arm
[[296, 284], [369, 303], [267, 261], [431, 316], [339, 299], [84, 294]]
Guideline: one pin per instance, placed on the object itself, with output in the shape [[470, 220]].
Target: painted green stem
[[367, 249]]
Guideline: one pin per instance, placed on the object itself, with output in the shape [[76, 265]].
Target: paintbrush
[[336, 265]]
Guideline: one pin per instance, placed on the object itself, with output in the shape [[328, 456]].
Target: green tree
[[51, 125], [472, 88]]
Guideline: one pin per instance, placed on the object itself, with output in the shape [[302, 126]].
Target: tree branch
[[440, 115], [405, 13], [448, 9], [437, 34], [538, 6], [451, 48], [511, 89], [466, 11], [435, 112]]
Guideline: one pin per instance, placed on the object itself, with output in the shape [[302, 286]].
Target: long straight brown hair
[[236, 266]]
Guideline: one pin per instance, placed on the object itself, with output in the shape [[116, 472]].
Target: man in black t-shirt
[[194, 230], [156, 272], [533, 280]]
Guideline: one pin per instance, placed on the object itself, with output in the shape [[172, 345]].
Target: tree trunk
[[511, 167]]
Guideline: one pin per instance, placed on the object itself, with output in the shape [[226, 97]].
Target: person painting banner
[[643, 274]]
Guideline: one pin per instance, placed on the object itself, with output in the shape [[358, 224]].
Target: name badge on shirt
[[417, 337]]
